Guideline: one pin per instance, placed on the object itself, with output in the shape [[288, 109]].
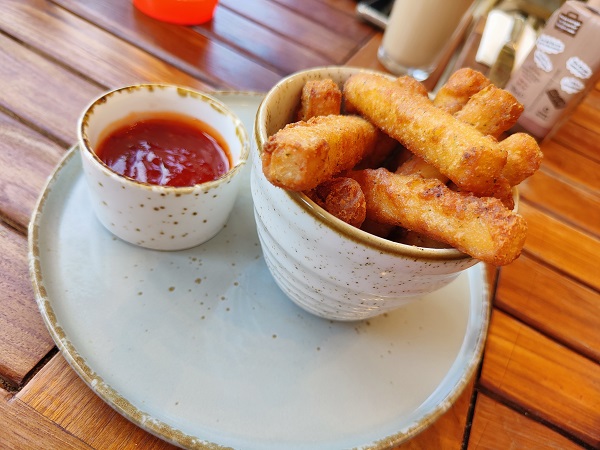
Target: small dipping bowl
[[327, 267], [153, 216]]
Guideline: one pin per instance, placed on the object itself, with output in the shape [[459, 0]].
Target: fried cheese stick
[[324, 97], [524, 157], [302, 155], [467, 157], [319, 98], [459, 88], [452, 97], [343, 198], [480, 227], [418, 166], [492, 111]]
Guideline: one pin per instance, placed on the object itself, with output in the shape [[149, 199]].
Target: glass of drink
[[419, 32]]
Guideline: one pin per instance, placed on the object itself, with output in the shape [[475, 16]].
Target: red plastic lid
[[183, 12]]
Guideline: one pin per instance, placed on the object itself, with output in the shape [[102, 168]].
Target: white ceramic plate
[[201, 348]]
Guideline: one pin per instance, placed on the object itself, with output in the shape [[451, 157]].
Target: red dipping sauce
[[167, 150]]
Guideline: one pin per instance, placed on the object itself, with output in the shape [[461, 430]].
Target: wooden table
[[539, 383]]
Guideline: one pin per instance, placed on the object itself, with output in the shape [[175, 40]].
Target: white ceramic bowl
[[324, 265], [152, 216]]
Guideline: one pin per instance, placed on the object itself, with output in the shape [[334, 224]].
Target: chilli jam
[[166, 150]]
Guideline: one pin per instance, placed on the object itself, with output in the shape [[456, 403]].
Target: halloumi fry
[[302, 155], [418, 166], [492, 111], [524, 157], [319, 98], [467, 157], [459, 88], [343, 198], [480, 227]]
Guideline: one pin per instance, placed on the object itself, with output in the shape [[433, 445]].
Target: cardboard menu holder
[[559, 70]]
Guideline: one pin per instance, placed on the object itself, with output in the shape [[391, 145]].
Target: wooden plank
[[571, 165], [448, 431], [89, 50], [339, 16], [26, 160], [546, 379], [205, 59], [24, 340], [542, 298], [496, 426], [580, 139], [272, 50], [57, 393], [566, 248], [366, 55], [24, 428], [577, 206], [587, 113], [38, 91], [326, 40]]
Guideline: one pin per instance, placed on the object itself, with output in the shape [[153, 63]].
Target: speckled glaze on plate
[[201, 348]]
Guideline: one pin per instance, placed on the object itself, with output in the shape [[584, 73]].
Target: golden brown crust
[[479, 226], [492, 111], [418, 166], [343, 198], [302, 155], [470, 159], [459, 88], [319, 98], [524, 157]]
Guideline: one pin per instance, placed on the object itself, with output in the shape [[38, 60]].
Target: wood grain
[[23, 428], [587, 113], [448, 431], [84, 415], [336, 15], [496, 426], [545, 378], [282, 55], [210, 61], [572, 166], [558, 244], [24, 340], [42, 93], [539, 296], [26, 160], [554, 195], [91, 51], [341, 32]]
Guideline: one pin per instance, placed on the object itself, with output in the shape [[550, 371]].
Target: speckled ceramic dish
[[149, 215], [326, 266], [201, 347]]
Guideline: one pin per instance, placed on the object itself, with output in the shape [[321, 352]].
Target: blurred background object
[[182, 12]]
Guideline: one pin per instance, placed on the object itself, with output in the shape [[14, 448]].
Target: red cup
[[183, 12]]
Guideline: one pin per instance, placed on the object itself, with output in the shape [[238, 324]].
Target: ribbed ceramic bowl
[[324, 265], [152, 216]]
